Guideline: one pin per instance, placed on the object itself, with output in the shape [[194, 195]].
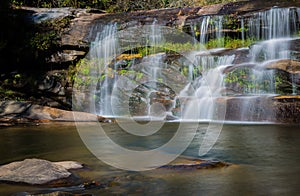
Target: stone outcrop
[[278, 109], [287, 65], [36, 171], [86, 23], [23, 112]]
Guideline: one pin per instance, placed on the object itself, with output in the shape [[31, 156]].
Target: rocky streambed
[[60, 178]]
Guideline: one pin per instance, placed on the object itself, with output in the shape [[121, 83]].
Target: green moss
[[166, 47], [135, 75], [244, 80], [229, 43], [179, 47]]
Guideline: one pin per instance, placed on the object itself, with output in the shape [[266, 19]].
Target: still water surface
[[265, 160]]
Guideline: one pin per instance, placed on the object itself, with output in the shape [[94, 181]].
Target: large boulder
[[36, 171]]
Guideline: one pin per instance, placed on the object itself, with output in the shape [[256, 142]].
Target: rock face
[[11, 112], [278, 109], [85, 24], [287, 65], [36, 171], [55, 90]]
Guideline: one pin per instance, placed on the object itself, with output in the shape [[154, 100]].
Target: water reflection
[[266, 160]]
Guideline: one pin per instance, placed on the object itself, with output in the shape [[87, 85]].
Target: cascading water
[[154, 61], [211, 27], [275, 29], [207, 87], [274, 23], [104, 49]]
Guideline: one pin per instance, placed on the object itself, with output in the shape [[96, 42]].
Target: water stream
[[265, 160]]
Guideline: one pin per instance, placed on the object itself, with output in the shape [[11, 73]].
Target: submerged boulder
[[194, 164], [36, 171]]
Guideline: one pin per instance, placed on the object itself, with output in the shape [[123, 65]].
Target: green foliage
[[46, 37], [59, 3], [229, 43], [179, 47], [117, 5], [81, 75], [231, 22], [244, 80], [167, 47], [135, 75], [44, 41]]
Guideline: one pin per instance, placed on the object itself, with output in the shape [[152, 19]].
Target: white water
[[104, 50], [274, 23], [205, 89], [275, 27], [211, 28]]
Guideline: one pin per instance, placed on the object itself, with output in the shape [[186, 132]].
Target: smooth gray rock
[[36, 171]]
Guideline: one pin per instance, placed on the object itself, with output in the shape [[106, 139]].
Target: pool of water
[[265, 160]]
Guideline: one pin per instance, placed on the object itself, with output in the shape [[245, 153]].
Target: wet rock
[[194, 164], [82, 29], [151, 93], [43, 14], [66, 56], [287, 65], [278, 109], [36, 171]]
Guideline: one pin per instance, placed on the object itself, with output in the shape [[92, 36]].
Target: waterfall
[[276, 27], [208, 87], [211, 27], [155, 37], [274, 23], [104, 50], [274, 30], [154, 61]]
